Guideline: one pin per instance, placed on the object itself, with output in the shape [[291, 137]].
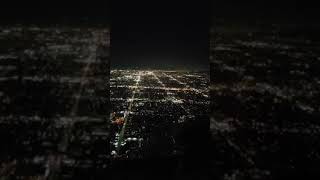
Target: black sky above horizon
[[160, 34]]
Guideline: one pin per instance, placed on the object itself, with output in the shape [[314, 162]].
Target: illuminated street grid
[[150, 107], [265, 101], [53, 101]]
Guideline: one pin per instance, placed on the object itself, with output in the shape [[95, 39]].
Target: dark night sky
[[293, 10], [52, 12], [160, 34]]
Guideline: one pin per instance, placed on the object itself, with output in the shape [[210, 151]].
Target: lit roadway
[[127, 112], [54, 162], [132, 99]]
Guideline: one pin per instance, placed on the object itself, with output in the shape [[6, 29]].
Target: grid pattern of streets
[[150, 107], [265, 107], [53, 100]]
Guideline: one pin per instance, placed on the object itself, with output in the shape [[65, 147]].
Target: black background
[[160, 34]]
